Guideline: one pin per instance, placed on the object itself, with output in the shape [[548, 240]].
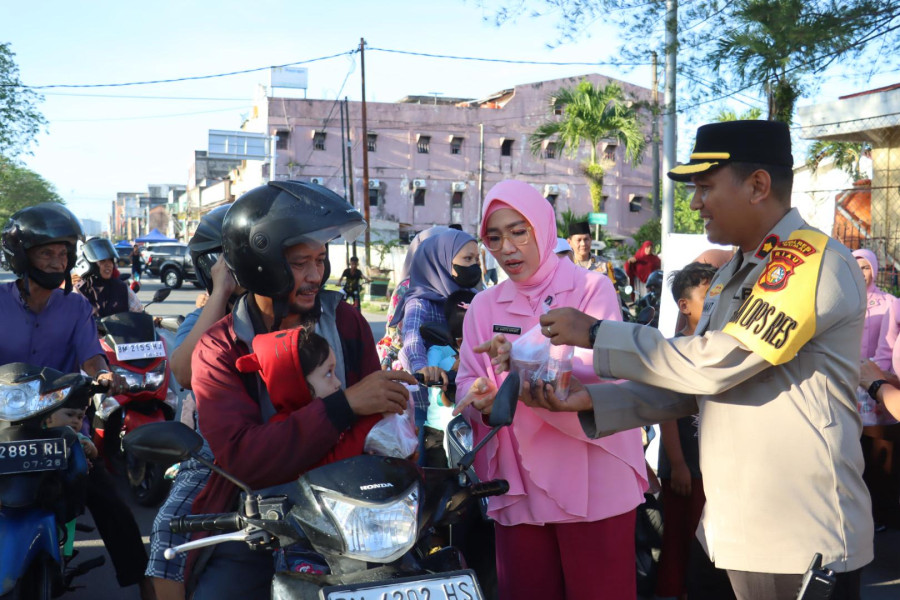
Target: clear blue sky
[[98, 145]]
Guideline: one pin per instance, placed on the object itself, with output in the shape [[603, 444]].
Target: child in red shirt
[[297, 365]]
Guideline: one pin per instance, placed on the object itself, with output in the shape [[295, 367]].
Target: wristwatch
[[592, 334], [874, 387]]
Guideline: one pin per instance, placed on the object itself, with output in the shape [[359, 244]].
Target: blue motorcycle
[[43, 480]]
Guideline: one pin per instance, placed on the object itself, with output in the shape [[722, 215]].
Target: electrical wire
[[509, 61]]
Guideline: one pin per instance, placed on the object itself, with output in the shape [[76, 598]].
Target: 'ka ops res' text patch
[[779, 315]]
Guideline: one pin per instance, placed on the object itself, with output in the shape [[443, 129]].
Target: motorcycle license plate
[[455, 585], [140, 350], [33, 455]]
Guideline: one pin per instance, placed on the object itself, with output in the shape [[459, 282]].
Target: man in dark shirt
[[354, 277]]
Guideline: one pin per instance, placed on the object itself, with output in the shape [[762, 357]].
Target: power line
[[510, 61], [134, 97], [166, 116], [178, 79]]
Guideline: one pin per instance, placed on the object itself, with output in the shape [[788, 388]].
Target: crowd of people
[[758, 394]]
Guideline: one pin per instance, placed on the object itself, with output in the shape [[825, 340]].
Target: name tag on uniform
[[507, 329]]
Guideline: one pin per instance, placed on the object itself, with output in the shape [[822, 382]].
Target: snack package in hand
[[394, 435]]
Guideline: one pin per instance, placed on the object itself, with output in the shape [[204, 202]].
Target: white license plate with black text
[[140, 350], [456, 585], [33, 455]]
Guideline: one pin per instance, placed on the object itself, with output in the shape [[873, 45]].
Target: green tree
[[20, 121], [684, 219], [590, 114], [846, 155], [727, 114], [21, 187], [563, 220]]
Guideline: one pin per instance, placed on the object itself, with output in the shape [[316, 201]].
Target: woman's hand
[[544, 396], [481, 397], [869, 372], [434, 374], [498, 348]]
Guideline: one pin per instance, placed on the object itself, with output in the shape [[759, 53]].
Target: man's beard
[[306, 313]]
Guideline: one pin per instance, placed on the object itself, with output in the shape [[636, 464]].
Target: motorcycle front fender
[[24, 535]]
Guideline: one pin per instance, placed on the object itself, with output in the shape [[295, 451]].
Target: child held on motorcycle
[[297, 366], [441, 359], [74, 418]]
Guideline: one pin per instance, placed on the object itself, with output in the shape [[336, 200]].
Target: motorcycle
[[43, 481], [136, 351], [366, 517]]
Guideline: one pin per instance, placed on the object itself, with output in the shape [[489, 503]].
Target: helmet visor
[[98, 249]]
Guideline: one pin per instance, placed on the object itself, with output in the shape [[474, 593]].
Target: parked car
[[171, 262]]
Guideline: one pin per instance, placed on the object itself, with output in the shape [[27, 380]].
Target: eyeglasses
[[518, 236]]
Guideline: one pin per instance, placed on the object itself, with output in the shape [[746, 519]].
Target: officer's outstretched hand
[[380, 392], [545, 397], [567, 327]]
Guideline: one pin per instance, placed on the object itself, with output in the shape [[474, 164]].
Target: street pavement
[[881, 579]]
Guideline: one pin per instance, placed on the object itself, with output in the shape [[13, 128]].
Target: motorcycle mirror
[[124, 276], [646, 315], [505, 402], [436, 334], [161, 294], [167, 442], [628, 290]]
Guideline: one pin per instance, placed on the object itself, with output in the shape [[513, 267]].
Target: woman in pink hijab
[[877, 306], [565, 529]]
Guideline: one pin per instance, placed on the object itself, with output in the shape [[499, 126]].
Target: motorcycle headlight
[[21, 400], [131, 378], [373, 532], [155, 377]]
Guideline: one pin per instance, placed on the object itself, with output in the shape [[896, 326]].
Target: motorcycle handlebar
[[214, 522], [495, 487]]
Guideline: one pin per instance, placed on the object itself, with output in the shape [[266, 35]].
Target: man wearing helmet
[[274, 240], [51, 327]]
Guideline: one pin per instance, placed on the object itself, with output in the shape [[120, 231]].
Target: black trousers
[[116, 525]]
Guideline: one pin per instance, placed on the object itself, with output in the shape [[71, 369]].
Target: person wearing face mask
[[444, 263]]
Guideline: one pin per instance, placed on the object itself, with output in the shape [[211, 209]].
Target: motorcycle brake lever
[[249, 535]]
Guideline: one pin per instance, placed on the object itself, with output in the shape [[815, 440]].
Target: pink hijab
[[869, 257], [527, 201]]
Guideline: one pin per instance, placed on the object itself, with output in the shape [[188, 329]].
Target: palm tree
[[846, 155], [590, 115]]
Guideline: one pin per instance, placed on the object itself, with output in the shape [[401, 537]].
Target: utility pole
[[364, 143], [480, 170], [654, 137], [669, 117], [349, 154], [344, 151]]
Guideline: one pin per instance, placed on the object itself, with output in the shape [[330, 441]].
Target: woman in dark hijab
[[107, 294]]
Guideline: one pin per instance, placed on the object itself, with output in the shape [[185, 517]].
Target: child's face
[[323, 378], [692, 304], [72, 417]]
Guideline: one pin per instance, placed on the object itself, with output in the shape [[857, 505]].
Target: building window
[[373, 197], [603, 200], [609, 152], [319, 140], [557, 107], [419, 197], [423, 144], [282, 142], [456, 145], [506, 148], [636, 204], [551, 198], [372, 139], [456, 201], [550, 150]]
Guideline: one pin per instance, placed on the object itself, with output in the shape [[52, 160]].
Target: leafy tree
[[20, 121], [778, 47], [684, 219], [563, 220], [727, 114], [21, 187], [846, 155], [589, 115]]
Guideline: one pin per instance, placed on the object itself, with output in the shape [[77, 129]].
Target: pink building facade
[[430, 163]]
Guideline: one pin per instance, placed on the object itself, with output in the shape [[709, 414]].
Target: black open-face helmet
[[655, 281], [206, 244], [265, 221], [37, 225], [96, 249], [621, 279]]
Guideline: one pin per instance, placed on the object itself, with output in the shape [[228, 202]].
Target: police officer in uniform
[[772, 371]]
